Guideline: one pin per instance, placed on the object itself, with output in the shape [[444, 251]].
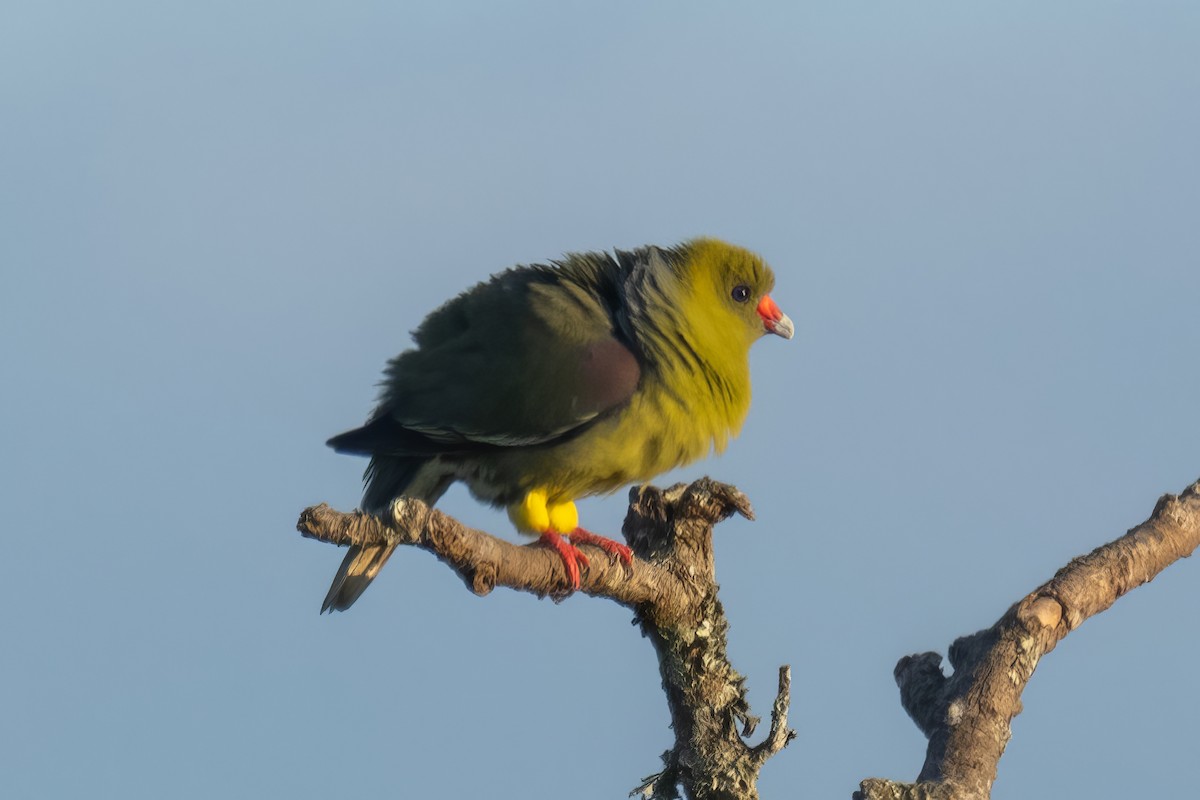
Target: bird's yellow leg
[[531, 514], [564, 517]]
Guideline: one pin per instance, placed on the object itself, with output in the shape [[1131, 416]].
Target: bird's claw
[[571, 556], [614, 549]]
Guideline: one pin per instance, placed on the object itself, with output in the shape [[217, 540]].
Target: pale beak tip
[[782, 327]]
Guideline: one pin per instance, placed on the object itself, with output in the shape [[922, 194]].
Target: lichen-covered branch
[[673, 592], [706, 696], [967, 717]]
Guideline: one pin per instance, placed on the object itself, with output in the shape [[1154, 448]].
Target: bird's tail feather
[[387, 478], [360, 566]]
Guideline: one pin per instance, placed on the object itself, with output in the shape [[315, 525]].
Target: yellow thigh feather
[[535, 515]]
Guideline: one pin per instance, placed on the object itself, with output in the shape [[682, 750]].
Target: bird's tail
[[387, 477], [360, 566]]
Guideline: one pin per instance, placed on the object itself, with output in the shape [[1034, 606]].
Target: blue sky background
[[218, 220]]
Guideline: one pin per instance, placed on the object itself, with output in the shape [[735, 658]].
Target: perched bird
[[549, 383]]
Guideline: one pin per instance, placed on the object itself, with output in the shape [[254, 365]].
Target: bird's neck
[[707, 376]]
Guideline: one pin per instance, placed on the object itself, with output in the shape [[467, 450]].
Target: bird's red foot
[[580, 536], [569, 553]]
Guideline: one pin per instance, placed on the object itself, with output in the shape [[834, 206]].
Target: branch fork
[[968, 716], [672, 590]]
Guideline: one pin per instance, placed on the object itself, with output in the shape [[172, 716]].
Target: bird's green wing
[[528, 357]]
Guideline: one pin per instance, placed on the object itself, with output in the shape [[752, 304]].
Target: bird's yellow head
[[728, 292]]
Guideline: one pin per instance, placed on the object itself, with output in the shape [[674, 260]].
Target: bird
[[553, 382]]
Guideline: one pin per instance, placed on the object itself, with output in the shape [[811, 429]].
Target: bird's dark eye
[[741, 293]]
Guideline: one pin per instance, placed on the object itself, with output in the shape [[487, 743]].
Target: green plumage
[[574, 378]]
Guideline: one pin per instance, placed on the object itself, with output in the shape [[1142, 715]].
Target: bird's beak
[[774, 320]]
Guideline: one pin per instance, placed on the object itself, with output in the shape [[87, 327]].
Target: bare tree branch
[[484, 561], [968, 716], [671, 588], [780, 734]]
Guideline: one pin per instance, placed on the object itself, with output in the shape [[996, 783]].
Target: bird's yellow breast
[[666, 424]]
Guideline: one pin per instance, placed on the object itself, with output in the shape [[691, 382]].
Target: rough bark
[[967, 717], [671, 588]]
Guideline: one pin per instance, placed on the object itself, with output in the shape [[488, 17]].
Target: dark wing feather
[[384, 434], [529, 357]]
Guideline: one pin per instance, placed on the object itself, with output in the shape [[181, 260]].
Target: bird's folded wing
[[530, 357]]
